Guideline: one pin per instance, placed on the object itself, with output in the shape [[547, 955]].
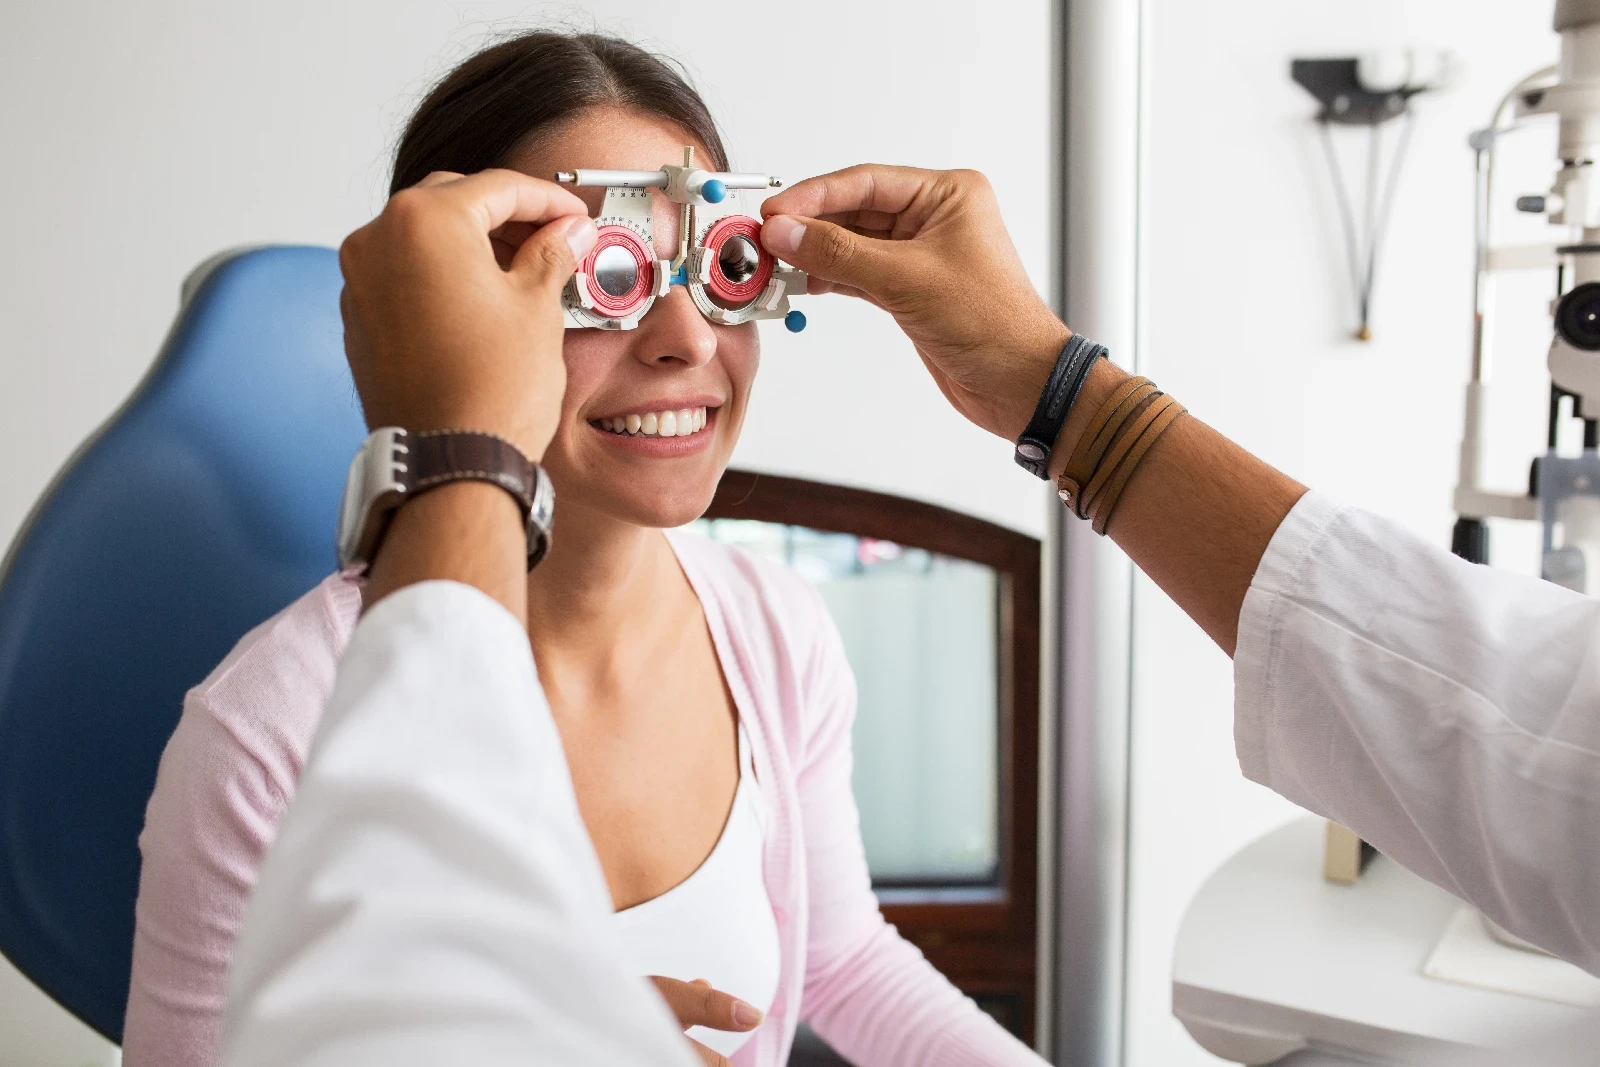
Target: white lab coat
[[1448, 713], [432, 896]]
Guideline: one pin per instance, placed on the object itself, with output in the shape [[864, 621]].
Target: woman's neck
[[603, 582]]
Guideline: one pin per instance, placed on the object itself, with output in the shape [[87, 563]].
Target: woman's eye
[[739, 259]]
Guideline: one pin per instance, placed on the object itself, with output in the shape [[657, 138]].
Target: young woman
[[703, 697]]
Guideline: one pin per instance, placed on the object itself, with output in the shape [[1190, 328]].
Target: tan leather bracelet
[[1127, 436], [1098, 435], [1162, 414]]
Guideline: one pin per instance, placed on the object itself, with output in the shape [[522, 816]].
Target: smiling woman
[[672, 366], [702, 695]]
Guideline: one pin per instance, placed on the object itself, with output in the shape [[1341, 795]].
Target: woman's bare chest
[[654, 763]]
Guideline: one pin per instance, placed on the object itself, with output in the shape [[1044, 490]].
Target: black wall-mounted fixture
[[1336, 83], [1359, 92]]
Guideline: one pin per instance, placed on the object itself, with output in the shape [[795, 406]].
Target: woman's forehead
[[608, 138], [615, 139]]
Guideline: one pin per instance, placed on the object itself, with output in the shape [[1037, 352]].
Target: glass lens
[[739, 259], [615, 271]]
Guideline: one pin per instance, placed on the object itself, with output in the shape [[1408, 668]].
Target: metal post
[[1099, 65]]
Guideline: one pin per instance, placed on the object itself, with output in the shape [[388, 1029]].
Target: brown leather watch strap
[[438, 457]]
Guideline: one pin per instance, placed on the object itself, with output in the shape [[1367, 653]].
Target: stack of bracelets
[[1112, 445]]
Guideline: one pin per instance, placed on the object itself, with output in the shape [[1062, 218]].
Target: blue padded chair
[[201, 508]]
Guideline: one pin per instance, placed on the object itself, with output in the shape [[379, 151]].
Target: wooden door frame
[[985, 939]]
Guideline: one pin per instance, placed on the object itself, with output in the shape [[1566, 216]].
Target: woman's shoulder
[[753, 593], [272, 686], [226, 776], [776, 620]]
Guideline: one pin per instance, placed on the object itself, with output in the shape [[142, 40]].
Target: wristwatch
[[392, 466]]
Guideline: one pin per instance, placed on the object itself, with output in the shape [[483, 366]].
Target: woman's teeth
[[680, 423]]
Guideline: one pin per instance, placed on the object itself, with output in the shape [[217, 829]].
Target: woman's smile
[[661, 429]]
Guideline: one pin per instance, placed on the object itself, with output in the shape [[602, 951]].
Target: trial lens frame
[[720, 259]]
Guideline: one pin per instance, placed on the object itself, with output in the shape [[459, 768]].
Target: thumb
[[547, 258], [835, 254]]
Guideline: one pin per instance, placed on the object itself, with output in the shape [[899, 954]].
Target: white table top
[[1271, 959]]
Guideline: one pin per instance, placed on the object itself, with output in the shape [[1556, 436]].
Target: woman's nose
[[674, 330]]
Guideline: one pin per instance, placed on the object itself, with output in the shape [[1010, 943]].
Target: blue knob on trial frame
[[795, 321], [713, 191]]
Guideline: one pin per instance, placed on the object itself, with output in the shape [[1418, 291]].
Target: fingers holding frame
[[867, 223], [498, 196], [505, 239], [439, 177], [866, 186], [506, 206], [893, 201]]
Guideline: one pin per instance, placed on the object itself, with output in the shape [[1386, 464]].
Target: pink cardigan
[[231, 768]]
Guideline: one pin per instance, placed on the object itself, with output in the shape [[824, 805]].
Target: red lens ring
[[720, 286], [620, 307]]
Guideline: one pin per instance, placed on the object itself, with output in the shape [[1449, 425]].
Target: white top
[[717, 924], [432, 896], [1448, 713]]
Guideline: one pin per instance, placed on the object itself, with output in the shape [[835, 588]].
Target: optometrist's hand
[[930, 248], [697, 1003], [439, 335]]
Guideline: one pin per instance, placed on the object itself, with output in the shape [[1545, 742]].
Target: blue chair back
[[201, 508]]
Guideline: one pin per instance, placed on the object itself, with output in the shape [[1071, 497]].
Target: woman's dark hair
[[502, 97]]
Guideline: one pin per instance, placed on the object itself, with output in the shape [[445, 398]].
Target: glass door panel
[[921, 632]]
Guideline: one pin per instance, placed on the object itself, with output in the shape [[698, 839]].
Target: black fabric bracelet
[[1055, 403]]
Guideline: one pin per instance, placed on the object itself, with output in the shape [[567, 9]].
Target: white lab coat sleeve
[[1448, 713], [432, 896]]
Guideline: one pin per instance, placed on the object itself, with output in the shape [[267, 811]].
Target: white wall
[[141, 138], [1246, 318]]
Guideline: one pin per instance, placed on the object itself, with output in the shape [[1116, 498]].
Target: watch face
[[374, 487], [540, 516], [351, 509], [544, 499]]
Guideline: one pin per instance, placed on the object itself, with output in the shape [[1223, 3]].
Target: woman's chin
[[665, 508]]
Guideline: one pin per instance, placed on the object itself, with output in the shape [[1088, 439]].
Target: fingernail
[[782, 235], [581, 236], [745, 1014]]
